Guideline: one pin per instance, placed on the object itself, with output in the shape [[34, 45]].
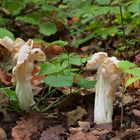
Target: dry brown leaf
[[74, 130], [75, 115], [84, 125], [3, 135], [136, 112], [82, 136], [99, 132], [29, 127], [127, 98], [129, 134], [5, 78], [137, 59], [53, 133]]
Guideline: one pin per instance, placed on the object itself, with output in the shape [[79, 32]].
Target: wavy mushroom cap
[[25, 58], [7, 43], [96, 60], [111, 71], [37, 54]]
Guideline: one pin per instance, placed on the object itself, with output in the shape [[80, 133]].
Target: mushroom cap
[[26, 57], [96, 60], [37, 54], [7, 43], [22, 55], [111, 71], [24, 52], [17, 44]]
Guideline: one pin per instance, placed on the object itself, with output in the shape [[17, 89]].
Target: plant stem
[[122, 109], [61, 99], [123, 30]]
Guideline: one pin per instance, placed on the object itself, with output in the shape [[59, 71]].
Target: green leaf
[[52, 68], [48, 28], [133, 71], [78, 42], [125, 65], [102, 2], [76, 60], [3, 21], [13, 7], [58, 42], [10, 94], [59, 80], [48, 7], [4, 32], [27, 20], [131, 80], [86, 83]]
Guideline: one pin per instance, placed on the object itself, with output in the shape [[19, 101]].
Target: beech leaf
[[48, 28]]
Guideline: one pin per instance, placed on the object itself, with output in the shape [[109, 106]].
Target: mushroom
[[23, 57], [108, 79], [23, 73], [12, 46]]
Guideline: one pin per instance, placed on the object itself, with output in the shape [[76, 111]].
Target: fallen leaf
[[36, 78], [127, 99], [82, 136], [53, 50], [129, 134], [74, 130], [137, 59], [29, 127], [3, 135], [136, 112], [5, 78], [53, 133], [99, 131], [84, 125], [75, 115]]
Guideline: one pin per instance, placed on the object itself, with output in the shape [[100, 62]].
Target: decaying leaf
[[82, 136], [3, 135], [136, 112], [29, 127], [53, 133], [83, 126], [5, 78], [75, 115], [137, 59]]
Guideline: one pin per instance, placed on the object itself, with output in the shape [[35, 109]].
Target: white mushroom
[[23, 73], [12, 46], [108, 79], [23, 57]]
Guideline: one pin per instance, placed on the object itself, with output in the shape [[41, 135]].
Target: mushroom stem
[[108, 79], [23, 86], [103, 101]]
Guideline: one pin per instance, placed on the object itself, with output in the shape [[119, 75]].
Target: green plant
[[38, 13], [63, 69], [13, 100], [130, 68]]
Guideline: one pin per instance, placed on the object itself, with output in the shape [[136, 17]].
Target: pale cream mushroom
[[23, 58], [12, 46], [108, 79], [23, 73]]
